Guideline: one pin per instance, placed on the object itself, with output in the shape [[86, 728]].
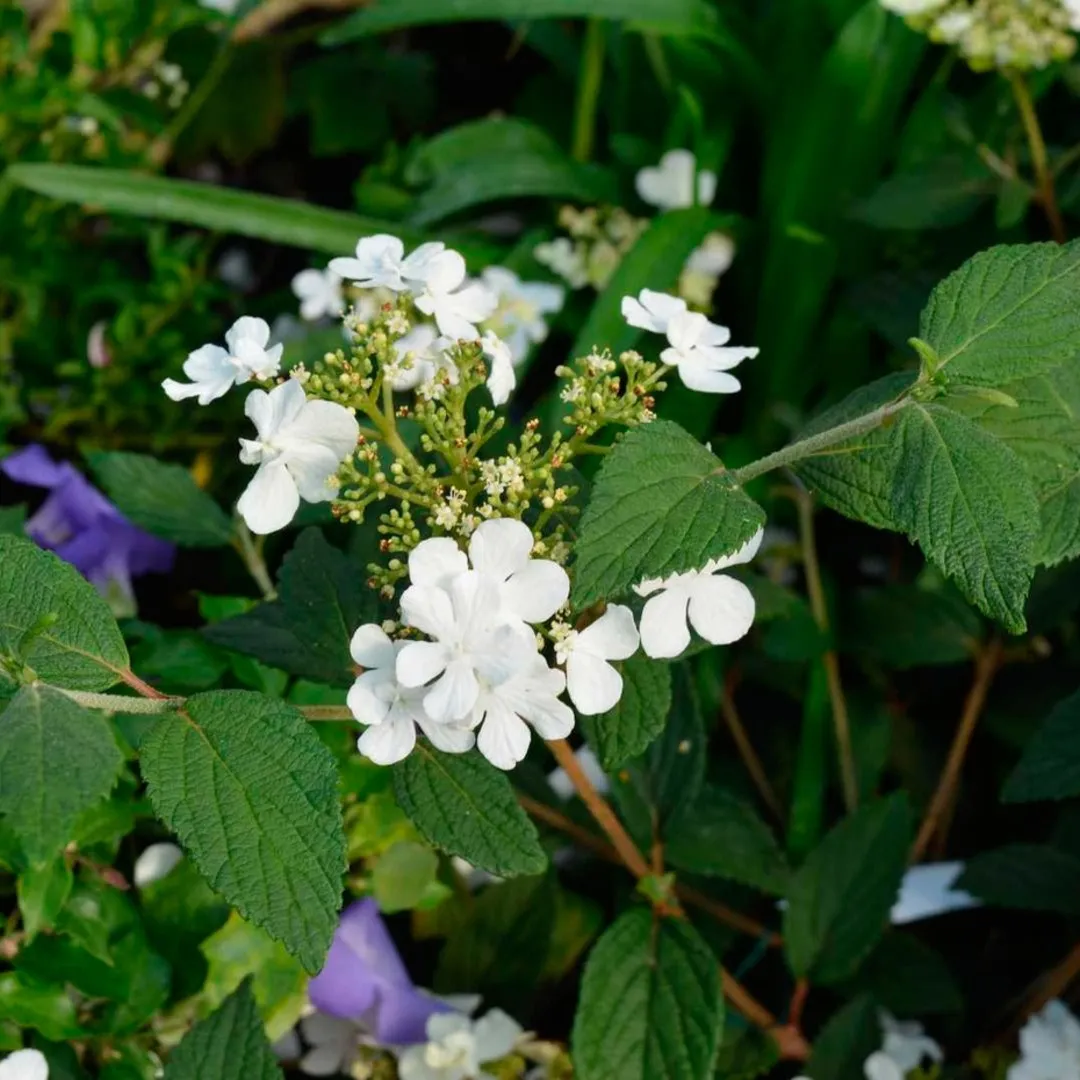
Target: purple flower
[[85, 529], [364, 980]]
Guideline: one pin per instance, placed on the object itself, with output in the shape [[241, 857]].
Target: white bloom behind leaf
[[458, 1048], [1049, 1046], [519, 318], [319, 293], [501, 378], [720, 608], [670, 185], [904, 1048], [299, 448], [24, 1065], [155, 862], [593, 684]]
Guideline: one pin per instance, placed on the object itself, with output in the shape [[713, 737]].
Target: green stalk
[[590, 78], [808, 797]]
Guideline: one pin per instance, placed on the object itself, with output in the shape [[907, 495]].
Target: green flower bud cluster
[[1007, 35], [599, 237]]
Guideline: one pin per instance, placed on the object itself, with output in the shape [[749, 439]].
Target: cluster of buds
[[599, 237]]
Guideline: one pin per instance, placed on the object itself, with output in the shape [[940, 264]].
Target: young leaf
[[638, 718], [840, 898], [83, 649], [965, 498], [322, 598], [661, 504], [56, 760], [43, 889], [1050, 765], [466, 807], [251, 791], [163, 499], [1033, 877], [650, 1003], [846, 1041], [722, 836], [230, 1044], [1007, 313]]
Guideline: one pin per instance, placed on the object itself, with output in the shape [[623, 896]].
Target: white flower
[[299, 447], [562, 257], [593, 684], [559, 780], [697, 347], [670, 185], [1072, 9], [950, 28], [912, 7], [212, 369], [720, 608], [927, 890], [226, 7], [458, 1048], [455, 306], [501, 379], [333, 1044], [1049, 1046], [713, 256], [423, 350], [319, 293], [27, 1065], [380, 261], [904, 1048], [392, 711], [156, 862], [519, 318]]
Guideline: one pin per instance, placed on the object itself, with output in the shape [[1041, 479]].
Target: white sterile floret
[[904, 1048], [593, 684], [519, 318], [670, 185], [912, 7], [299, 448], [455, 306], [458, 1048], [420, 357], [720, 608], [562, 257], [928, 890], [501, 379], [1049, 1046], [696, 347], [392, 712], [380, 262], [24, 1065], [713, 256], [155, 862], [319, 293], [213, 370]]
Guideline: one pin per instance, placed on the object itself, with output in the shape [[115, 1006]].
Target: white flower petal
[[613, 636], [248, 328], [388, 742], [273, 410], [270, 501], [368, 698], [419, 662], [24, 1065], [428, 608], [449, 738], [721, 608], [536, 592], [155, 862], [496, 1035], [504, 737], [425, 261], [740, 556], [593, 684], [664, 632], [500, 547], [371, 647], [698, 376], [454, 694], [436, 560]]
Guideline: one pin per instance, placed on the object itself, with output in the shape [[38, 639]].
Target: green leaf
[[657, 258], [466, 807], [661, 504], [221, 209], [403, 875], [965, 498], [163, 499], [745, 1052], [722, 836], [510, 159], [229, 1045], [83, 649], [840, 898], [322, 598], [48, 1009], [627, 730], [1032, 877], [1050, 765], [56, 760], [1007, 313], [846, 1041], [12, 520], [251, 792], [674, 16], [650, 1003], [908, 978], [43, 889]]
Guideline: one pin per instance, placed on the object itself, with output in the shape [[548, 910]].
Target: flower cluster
[[1002, 34], [1049, 1046]]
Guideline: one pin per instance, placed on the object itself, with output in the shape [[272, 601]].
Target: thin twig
[[140, 685], [122, 703], [250, 551], [1051, 985], [987, 663], [816, 591], [1044, 177], [745, 747], [269, 15]]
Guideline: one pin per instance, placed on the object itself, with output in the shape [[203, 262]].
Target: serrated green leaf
[[322, 598], [965, 498], [650, 1003], [1032, 877], [161, 498], [228, 1045], [840, 898], [854, 478], [675, 16], [627, 730], [851, 1035], [251, 792], [720, 835], [46, 736], [1006, 314], [745, 1052], [908, 978], [83, 649], [661, 504], [222, 209], [465, 806], [1050, 765], [43, 889]]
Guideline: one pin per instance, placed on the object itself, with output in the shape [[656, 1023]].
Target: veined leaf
[[1033, 877], [1050, 765], [851, 1035], [251, 791], [650, 1003], [661, 504]]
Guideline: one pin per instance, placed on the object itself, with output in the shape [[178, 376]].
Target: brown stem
[[1052, 985], [1044, 177], [745, 747], [987, 662], [139, 685], [798, 1003], [270, 14]]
